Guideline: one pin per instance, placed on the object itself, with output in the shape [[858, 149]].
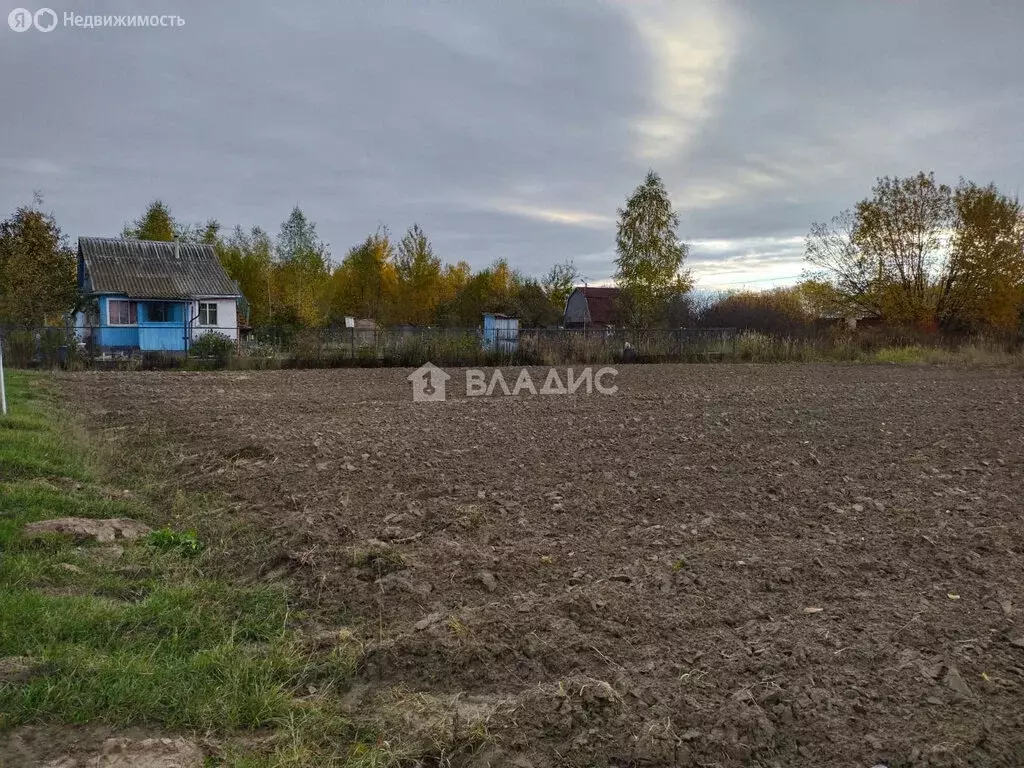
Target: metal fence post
[[3, 386]]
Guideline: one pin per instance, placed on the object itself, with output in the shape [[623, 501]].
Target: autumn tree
[[247, 257], [418, 272], [983, 283], [650, 254], [302, 270], [778, 310], [559, 282], [37, 268], [821, 299], [492, 289], [918, 252], [837, 260], [901, 229], [533, 305], [454, 278], [365, 283]]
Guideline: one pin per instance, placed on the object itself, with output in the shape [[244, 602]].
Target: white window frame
[[204, 308], [130, 303]]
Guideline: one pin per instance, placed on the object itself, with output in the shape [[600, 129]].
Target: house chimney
[[176, 254]]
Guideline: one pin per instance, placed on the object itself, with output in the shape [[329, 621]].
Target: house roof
[[601, 303], [147, 269]]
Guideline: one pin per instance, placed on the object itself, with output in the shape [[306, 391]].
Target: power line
[[758, 280]]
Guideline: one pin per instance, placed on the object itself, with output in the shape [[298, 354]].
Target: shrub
[[187, 542], [213, 345], [160, 361]]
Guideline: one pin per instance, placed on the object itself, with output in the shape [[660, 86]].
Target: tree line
[[290, 280], [915, 252], [293, 281]]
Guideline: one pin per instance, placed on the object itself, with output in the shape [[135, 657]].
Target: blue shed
[[153, 296], [501, 333]]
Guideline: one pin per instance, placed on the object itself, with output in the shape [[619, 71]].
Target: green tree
[[247, 257], [302, 271], [37, 268], [559, 282], [650, 254], [418, 272], [207, 233], [155, 224], [534, 306]]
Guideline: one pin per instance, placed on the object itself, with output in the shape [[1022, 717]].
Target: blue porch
[[150, 326]]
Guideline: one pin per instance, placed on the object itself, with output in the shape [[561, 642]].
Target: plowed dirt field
[[718, 565]]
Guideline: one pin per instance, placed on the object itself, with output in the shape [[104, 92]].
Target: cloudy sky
[[511, 128]]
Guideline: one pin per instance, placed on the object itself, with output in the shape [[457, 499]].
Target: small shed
[[362, 331], [591, 308], [501, 333]]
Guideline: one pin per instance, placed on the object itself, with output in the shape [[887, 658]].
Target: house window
[[122, 312], [159, 312], [207, 313]]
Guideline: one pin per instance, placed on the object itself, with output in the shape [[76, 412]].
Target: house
[[591, 308], [501, 333], [153, 296]]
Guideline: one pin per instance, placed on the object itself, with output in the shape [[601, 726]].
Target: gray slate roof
[[147, 269]]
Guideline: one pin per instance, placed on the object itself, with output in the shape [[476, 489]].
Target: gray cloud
[[510, 130]]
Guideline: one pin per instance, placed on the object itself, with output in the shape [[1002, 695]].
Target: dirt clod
[[488, 580], [129, 753], [956, 683], [86, 529], [18, 669]]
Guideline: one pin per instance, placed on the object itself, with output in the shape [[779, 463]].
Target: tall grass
[[762, 348]]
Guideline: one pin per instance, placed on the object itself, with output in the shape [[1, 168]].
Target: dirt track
[[719, 565]]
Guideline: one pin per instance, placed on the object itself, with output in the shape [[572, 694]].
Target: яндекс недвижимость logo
[[47, 19]]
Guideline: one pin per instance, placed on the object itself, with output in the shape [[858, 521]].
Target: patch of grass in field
[[138, 634], [909, 354], [755, 347], [29, 446], [970, 355]]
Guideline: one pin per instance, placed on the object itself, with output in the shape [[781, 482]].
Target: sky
[[511, 128]]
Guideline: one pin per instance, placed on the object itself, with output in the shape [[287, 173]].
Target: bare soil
[[719, 565]]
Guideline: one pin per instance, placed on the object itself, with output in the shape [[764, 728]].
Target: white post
[[3, 388]]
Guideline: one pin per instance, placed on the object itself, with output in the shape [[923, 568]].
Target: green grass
[[140, 635], [29, 446]]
